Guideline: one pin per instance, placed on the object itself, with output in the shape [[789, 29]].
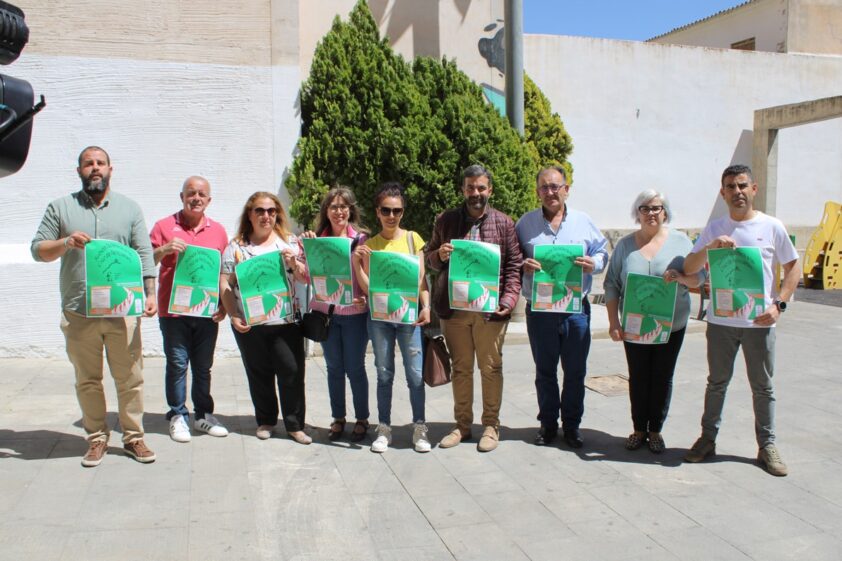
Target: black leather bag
[[315, 325]]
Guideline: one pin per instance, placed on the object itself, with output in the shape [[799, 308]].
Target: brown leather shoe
[[488, 440], [453, 438], [137, 449], [97, 449]]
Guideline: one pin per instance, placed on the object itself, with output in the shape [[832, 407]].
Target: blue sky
[[616, 19]]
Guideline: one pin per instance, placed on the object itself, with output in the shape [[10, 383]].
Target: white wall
[[765, 20], [672, 117], [160, 122]]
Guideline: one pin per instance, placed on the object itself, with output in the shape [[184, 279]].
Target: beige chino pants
[[120, 337], [469, 334]]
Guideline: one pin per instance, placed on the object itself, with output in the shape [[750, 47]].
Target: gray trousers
[[759, 352]]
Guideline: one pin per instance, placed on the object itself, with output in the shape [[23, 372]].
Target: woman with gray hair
[[654, 250]]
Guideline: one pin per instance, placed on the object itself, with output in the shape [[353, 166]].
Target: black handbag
[[315, 325]]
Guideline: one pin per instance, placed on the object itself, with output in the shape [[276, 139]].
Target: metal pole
[[514, 62]]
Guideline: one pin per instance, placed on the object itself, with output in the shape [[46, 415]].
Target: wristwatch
[[781, 305]]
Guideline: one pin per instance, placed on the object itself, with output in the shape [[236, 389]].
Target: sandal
[[360, 430], [337, 427], [635, 441], [656, 443]]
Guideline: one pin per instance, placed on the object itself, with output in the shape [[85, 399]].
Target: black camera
[[16, 96]]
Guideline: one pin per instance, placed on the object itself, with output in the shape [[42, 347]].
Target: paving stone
[[242, 498], [481, 542]]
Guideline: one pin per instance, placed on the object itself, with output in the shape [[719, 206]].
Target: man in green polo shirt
[[69, 223]]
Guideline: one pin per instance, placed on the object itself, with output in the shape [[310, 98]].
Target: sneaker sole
[[768, 470], [217, 435], [180, 439], [142, 460], [91, 463]]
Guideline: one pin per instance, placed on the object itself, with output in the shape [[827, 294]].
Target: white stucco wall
[[672, 118], [765, 20], [160, 122]]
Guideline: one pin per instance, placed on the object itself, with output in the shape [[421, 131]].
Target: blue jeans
[[383, 336], [344, 353], [188, 340], [554, 336]]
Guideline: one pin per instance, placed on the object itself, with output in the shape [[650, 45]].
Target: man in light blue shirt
[[556, 336]]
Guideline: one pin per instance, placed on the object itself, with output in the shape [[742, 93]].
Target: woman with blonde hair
[[273, 352]]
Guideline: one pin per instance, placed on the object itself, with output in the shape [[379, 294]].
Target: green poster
[[113, 280], [329, 262], [393, 286], [195, 286], [648, 308], [474, 276], [557, 287], [264, 288], [736, 282]]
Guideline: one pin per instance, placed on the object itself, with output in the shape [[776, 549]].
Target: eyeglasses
[[386, 211], [550, 188], [654, 209], [272, 211], [338, 208]]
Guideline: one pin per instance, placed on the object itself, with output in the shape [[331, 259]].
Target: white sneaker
[[210, 425], [384, 438], [419, 438], [179, 431]]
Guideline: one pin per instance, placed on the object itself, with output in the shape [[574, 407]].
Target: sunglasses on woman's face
[[386, 211], [260, 211]]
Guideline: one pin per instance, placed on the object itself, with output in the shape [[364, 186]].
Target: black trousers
[[271, 352], [651, 368]]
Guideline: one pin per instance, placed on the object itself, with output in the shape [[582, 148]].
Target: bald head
[[196, 196], [193, 181]]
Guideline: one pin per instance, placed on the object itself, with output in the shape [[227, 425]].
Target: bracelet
[[66, 240]]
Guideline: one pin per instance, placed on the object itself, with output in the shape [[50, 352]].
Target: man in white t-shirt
[[752, 326]]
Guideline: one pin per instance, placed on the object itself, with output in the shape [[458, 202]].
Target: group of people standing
[[273, 353]]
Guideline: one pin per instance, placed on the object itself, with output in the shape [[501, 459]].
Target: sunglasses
[[386, 211], [261, 211], [654, 209]]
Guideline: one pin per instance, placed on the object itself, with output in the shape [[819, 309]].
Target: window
[[744, 45]]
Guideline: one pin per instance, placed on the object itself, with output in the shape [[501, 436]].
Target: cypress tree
[[368, 116]]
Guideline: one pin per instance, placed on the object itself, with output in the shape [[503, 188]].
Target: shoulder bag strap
[[411, 242]]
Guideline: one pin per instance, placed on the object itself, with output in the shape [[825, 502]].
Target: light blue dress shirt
[[576, 228]]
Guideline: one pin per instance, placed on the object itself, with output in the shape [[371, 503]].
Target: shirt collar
[[470, 218], [89, 202], [181, 221]]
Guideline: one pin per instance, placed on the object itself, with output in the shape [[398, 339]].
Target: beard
[[96, 186], [477, 201]]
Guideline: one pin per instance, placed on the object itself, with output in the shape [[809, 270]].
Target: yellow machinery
[[823, 256]]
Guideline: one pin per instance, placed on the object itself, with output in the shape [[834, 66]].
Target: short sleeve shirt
[[763, 231], [210, 234]]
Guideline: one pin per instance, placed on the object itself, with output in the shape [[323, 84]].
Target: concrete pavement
[[240, 498]]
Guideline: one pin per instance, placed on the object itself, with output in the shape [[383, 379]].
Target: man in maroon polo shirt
[[188, 340]]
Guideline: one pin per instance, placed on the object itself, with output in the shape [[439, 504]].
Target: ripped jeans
[[383, 336]]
